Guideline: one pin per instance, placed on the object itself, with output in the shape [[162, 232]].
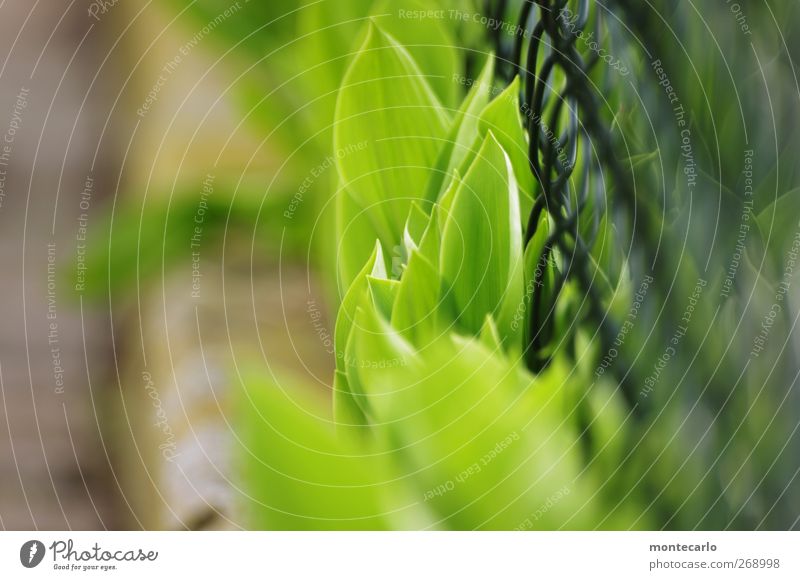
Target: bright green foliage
[[415, 311], [309, 477], [429, 333], [481, 255], [428, 337], [465, 418], [390, 124], [501, 117], [462, 132]]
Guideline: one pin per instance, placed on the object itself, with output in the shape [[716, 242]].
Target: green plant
[[429, 335]]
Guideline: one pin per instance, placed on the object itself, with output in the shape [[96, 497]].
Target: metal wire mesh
[[570, 153]]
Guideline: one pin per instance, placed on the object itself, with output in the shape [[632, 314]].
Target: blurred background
[[111, 393], [168, 227]]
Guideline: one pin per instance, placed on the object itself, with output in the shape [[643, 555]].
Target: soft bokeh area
[[394, 264]]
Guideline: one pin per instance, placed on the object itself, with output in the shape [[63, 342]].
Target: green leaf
[[297, 473], [502, 118], [473, 123], [374, 349], [432, 239], [463, 131], [415, 310], [535, 247], [445, 204], [540, 276], [416, 225], [485, 445], [376, 267], [345, 396], [430, 41], [391, 124], [383, 292], [481, 255], [356, 237]]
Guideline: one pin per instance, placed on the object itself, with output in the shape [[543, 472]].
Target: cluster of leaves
[[438, 422], [442, 194]]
